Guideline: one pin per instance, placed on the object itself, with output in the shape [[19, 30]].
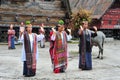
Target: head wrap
[[27, 22], [61, 22]]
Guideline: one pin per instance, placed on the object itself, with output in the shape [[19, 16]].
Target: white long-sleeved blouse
[[39, 37]]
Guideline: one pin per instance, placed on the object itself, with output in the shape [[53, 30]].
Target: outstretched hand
[[54, 31], [81, 28], [95, 28]]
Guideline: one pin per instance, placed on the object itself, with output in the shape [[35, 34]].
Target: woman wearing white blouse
[[29, 50]]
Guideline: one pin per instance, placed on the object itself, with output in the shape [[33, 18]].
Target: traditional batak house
[[105, 14], [36, 11]]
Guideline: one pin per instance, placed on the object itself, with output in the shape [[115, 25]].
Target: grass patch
[[74, 52], [73, 41]]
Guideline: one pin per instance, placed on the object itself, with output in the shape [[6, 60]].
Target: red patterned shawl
[[60, 51]]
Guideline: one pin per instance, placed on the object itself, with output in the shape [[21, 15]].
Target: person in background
[[69, 36], [11, 37], [29, 50], [42, 42], [22, 27], [59, 50], [85, 60]]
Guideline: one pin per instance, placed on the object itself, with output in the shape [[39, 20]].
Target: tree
[[78, 17], [81, 15]]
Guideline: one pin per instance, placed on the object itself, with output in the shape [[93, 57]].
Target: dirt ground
[[11, 65]]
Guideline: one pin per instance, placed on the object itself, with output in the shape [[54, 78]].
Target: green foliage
[[80, 16]]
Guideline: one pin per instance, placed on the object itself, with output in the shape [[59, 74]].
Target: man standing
[[42, 42], [42, 33]]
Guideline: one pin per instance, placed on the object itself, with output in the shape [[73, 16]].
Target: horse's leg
[[98, 54], [102, 49], [102, 54], [99, 51]]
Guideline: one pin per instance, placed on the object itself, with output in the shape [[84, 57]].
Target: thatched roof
[[98, 7]]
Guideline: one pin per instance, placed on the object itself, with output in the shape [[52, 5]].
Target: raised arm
[[80, 30], [53, 35]]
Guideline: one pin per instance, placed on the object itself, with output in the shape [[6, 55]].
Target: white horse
[[99, 41]]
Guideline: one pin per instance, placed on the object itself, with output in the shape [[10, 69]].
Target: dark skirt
[[88, 62], [28, 72], [12, 43]]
